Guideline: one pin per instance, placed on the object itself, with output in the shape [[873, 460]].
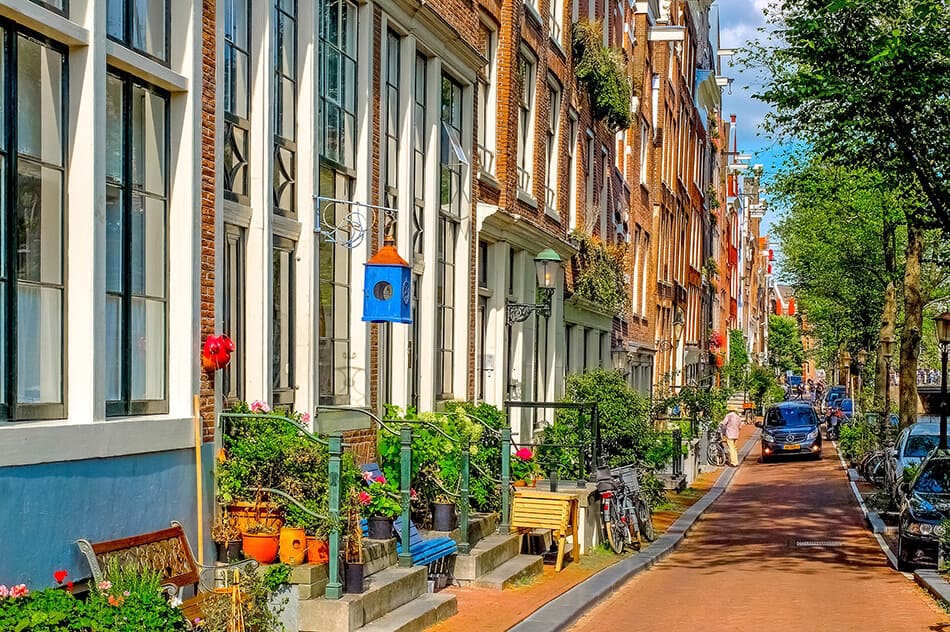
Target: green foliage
[[260, 603], [47, 610], [785, 344], [764, 388], [485, 463], [599, 273], [382, 499], [706, 404], [857, 439], [735, 370], [603, 71], [625, 428]]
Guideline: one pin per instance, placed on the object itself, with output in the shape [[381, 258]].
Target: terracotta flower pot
[[293, 545], [318, 551], [260, 546]]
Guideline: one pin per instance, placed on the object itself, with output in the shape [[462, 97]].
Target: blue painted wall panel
[[46, 507]]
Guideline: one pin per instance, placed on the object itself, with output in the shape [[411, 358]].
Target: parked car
[[790, 428], [925, 506], [914, 443], [834, 393]]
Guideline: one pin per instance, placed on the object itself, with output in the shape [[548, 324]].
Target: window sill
[[45, 21], [558, 47], [31, 443], [527, 198], [144, 68], [489, 180], [552, 213]]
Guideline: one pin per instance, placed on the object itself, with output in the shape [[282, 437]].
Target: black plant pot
[[353, 578], [379, 528], [443, 516], [228, 551]]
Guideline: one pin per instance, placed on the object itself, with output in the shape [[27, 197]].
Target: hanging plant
[[599, 273], [603, 71]]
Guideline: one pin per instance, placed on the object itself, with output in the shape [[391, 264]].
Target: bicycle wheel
[[645, 520], [614, 526]]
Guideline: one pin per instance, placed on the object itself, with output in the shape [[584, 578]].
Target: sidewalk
[[486, 610]]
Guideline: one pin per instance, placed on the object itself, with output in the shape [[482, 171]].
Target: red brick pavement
[[739, 569]]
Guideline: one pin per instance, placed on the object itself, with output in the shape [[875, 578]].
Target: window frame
[[345, 104], [10, 409], [527, 106], [232, 377], [64, 11], [285, 396], [282, 145], [233, 120], [126, 40], [126, 406]]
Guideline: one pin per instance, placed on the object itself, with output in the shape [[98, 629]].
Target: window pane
[[341, 300], [147, 355], [282, 319], [287, 121], [148, 26], [115, 238], [39, 101], [114, 128], [147, 232], [115, 19], [286, 39], [148, 140], [39, 344], [114, 353], [3, 93], [341, 351], [39, 223], [240, 96]]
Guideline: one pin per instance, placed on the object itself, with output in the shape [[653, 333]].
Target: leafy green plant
[[525, 465], [603, 71], [857, 439], [131, 598], [764, 388], [380, 498], [485, 464], [47, 610], [599, 272]]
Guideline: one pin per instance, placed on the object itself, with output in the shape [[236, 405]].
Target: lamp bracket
[[519, 312], [350, 227]]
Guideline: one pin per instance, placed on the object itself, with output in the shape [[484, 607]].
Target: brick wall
[[362, 444], [208, 183]]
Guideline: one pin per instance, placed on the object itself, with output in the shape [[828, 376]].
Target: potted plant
[[379, 502], [226, 536], [261, 538], [353, 549], [318, 536], [525, 469]]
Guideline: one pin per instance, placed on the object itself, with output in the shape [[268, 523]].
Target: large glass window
[[233, 305], [136, 239], [32, 150], [142, 25], [486, 104], [526, 72], [451, 156], [282, 321], [417, 229], [237, 126], [338, 81], [59, 6], [393, 117], [445, 307], [554, 117], [285, 107]]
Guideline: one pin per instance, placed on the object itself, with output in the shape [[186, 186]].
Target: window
[[136, 242], [338, 81], [417, 228], [451, 203], [334, 317], [589, 178], [555, 19], [285, 110], [551, 174], [59, 6], [526, 73], [451, 156], [644, 152], [140, 25], [486, 104], [393, 117], [572, 172], [236, 100], [32, 152], [282, 305], [233, 305]]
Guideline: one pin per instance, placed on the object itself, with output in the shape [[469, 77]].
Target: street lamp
[[667, 344], [943, 340], [546, 264]]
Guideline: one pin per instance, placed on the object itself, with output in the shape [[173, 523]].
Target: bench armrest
[[209, 576]]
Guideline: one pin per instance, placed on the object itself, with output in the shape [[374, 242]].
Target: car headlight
[[939, 530], [913, 527], [812, 435], [767, 436], [926, 529]]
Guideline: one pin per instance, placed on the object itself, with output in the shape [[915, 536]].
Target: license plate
[[792, 446]]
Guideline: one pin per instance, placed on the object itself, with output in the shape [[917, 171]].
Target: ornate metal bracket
[[519, 312], [350, 227]]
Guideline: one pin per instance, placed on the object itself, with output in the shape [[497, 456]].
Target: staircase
[[494, 560]]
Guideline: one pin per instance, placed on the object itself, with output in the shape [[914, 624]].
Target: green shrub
[[857, 439], [603, 72]]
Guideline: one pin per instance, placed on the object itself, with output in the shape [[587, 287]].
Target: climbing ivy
[[603, 71], [599, 273]]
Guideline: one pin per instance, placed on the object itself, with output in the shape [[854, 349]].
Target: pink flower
[[305, 418], [381, 479], [4, 591], [258, 406], [365, 498], [20, 590], [105, 584], [524, 454]]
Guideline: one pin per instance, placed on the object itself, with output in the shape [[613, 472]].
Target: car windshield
[[790, 416], [935, 478], [920, 445]]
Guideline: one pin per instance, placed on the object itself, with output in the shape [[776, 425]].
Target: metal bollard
[[334, 589], [405, 474], [464, 545]]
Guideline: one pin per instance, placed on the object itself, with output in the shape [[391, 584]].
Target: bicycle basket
[[630, 477]]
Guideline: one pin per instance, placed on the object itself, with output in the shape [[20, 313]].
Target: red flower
[[524, 454], [365, 498], [59, 576], [69, 586]]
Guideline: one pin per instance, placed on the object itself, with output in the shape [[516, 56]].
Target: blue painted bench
[[431, 552]]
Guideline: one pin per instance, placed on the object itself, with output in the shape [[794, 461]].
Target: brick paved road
[[740, 568]]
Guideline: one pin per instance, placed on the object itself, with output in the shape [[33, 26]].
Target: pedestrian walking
[[730, 430]]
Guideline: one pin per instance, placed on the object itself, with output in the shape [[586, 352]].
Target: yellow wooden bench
[[547, 510]]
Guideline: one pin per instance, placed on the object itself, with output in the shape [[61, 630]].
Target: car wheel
[[902, 564], [816, 456]]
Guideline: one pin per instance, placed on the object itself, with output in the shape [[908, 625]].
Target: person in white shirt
[[730, 430]]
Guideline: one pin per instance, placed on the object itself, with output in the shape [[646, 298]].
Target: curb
[[561, 612], [873, 519], [934, 583]]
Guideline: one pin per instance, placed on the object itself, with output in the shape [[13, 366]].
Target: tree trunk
[[888, 326], [913, 323]]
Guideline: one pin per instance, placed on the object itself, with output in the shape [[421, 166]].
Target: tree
[[785, 344]]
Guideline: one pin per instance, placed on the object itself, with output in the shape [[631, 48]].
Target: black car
[[925, 506], [790, 428]]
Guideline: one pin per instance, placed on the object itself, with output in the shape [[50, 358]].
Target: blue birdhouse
[[387, 287]]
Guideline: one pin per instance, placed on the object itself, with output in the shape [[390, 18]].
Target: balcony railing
[[486, 160], [524, 180], [550, 198], [554, 28]]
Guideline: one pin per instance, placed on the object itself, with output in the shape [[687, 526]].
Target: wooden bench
[[165, 552], [547, 510]]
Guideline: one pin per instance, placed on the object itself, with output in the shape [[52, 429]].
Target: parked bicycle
[[625, 513], [716, 452]]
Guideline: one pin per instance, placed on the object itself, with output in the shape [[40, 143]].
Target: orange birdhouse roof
[[388, 255]]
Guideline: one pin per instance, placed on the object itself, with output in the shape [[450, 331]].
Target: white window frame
[[527, 71]]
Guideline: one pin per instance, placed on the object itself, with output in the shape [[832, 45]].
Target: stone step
[[378, 555], [480, 526], [519, 567], [485, 557], [417, 615], [384, 592]]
